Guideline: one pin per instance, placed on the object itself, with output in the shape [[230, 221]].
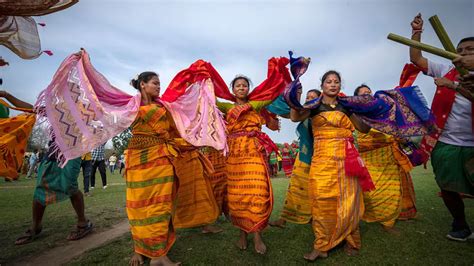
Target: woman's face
[[331, 85], [364, 91], [311, 96], [152, 87], [241, 89]]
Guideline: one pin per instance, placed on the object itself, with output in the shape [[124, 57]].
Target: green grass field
[[421, 241]]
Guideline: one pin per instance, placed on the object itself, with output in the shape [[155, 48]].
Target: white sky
[[125, 38]]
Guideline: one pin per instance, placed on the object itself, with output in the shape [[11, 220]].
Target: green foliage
[[120, 141]]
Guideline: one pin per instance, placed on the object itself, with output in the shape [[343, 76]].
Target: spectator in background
[[121, 163], [98, 161], [112, 162], [86, 165], [33, 160]]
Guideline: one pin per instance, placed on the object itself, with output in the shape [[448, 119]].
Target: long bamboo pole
[[424, 47]]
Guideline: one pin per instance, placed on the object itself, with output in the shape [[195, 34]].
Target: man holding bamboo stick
[[466, 81], [452, 146]]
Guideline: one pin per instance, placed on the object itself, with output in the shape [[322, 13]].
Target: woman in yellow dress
[[297, 206], [336, 197], [389, 169]]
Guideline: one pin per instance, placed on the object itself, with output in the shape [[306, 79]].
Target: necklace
[[333, 105]]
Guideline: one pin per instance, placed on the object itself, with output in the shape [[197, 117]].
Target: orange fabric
[[196, 205], [14, 135], [249, 190], [336, 199], [219, 178]]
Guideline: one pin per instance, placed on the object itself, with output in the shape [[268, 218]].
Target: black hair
[[356, 92], [237, 78], [330, 72], [467, 39], [144, 76], [318, 92]]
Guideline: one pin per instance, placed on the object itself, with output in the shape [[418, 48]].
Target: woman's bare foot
[[163, 261], [137, 259], [260, 247], [211, 229], [278, 223], [350, 251], [314, 254], [242, 243]]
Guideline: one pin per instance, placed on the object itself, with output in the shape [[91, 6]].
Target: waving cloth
[[85, 110], [401, 112], [33, 7], [20, 35], [14, 134], [278, 77], [193, 108]]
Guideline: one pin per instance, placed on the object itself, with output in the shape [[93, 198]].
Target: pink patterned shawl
[[85, 110]]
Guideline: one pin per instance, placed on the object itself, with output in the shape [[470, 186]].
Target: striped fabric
[[150, 179], [195, 202], [387, 169], [408, 210], [218, 178], [297, 207], [248, 182], [336, 199]]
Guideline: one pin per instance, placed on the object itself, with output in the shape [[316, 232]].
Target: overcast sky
[[125, 38]]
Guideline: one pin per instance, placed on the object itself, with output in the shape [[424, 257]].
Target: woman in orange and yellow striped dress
[[389, 169], [249, 191], [150, 176]]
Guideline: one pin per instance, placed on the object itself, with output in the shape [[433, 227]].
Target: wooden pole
[[424, 47]]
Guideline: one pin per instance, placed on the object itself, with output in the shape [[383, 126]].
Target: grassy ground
[[420, 242], [104, 208]]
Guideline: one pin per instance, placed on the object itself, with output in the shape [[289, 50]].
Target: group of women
[[334, 200], [172, 184]]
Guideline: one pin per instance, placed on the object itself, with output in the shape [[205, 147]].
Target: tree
[[120, 141], [39, 137]]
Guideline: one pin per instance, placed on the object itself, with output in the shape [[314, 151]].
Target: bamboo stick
[[444, 39], [424, 47], [442, 34]]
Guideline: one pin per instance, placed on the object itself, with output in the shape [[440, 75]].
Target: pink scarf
[[84, 110]]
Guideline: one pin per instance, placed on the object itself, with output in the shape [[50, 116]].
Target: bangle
[[413, 32]]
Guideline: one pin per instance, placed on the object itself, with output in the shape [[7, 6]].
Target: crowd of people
[[350, 164]]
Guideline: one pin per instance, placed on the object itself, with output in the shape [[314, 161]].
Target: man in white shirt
[[451, 147]]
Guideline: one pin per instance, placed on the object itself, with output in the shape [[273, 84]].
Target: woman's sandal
[[28, 236], [80, 231]]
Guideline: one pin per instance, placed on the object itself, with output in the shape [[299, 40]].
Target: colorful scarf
[[84, 110], [401, 112], [196, 116], [278, 77]]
